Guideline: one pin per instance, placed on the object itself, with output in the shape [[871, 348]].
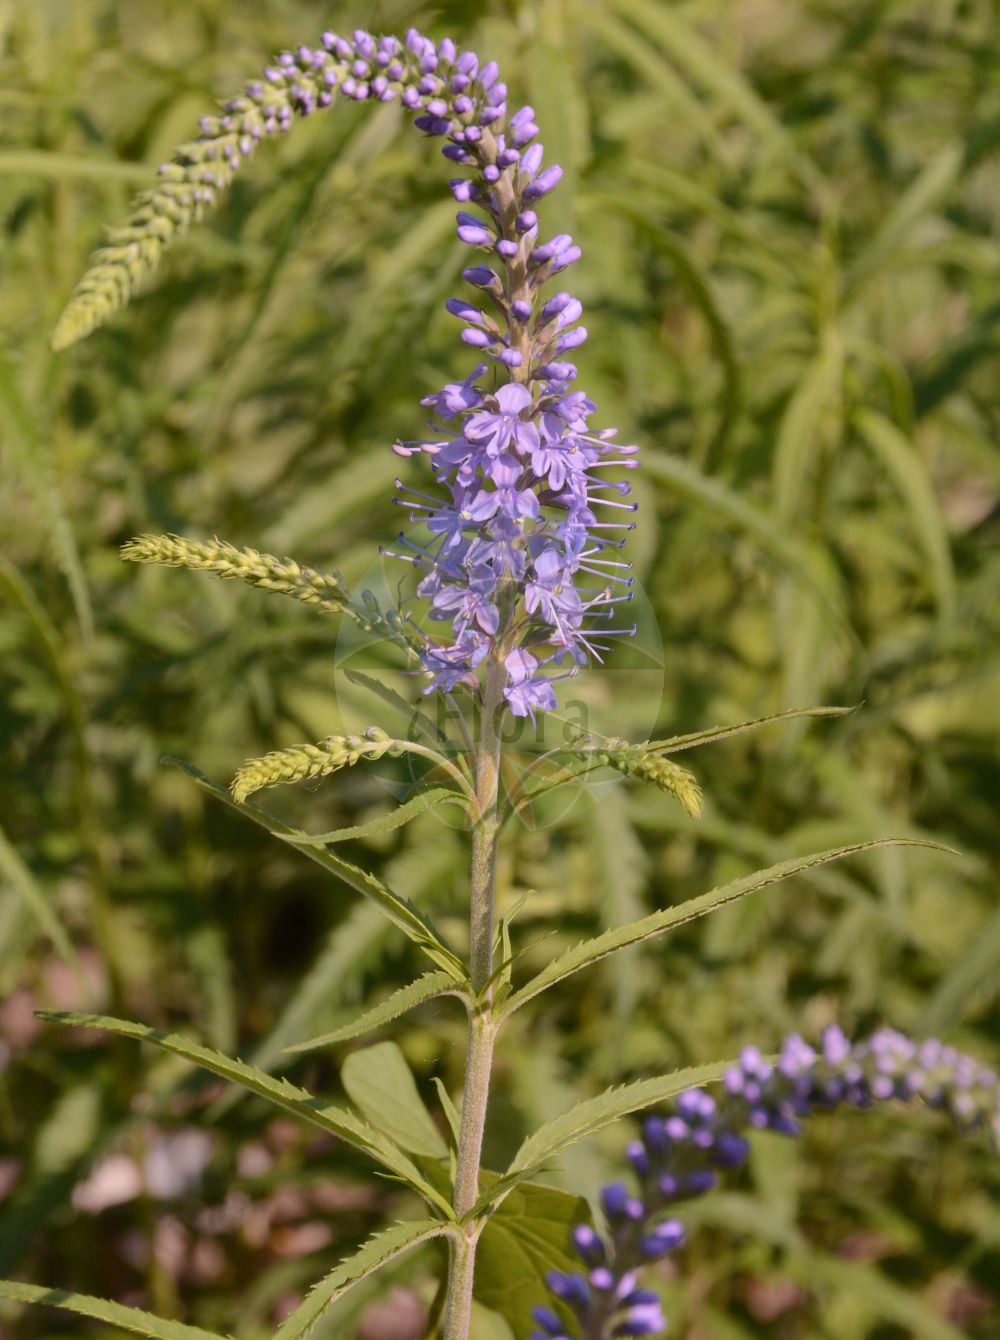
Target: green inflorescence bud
[[282, 575], [646, 764], [303, 761], [187, 188]]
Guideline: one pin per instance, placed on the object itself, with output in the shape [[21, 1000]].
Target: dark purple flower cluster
[[680, 1156]]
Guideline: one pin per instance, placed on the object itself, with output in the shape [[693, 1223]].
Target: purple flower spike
[[678, 1156], [516, 524]]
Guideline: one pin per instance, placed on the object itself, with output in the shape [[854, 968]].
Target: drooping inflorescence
[[520, 559], [281, 575], [680, 1156], [304, 761]]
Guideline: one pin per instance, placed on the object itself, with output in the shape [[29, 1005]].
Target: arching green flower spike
[[645, 763], [303, 761], [282, 575], [362, 68]]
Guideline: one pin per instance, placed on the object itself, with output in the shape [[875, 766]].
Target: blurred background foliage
[[790, 214]]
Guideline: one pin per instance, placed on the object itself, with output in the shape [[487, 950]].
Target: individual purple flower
[[527, 693], [503, 427]]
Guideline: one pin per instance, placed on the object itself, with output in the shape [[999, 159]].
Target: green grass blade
[[792, 553], [695, 57], [977, 968], [901, 458], [351, 940], [111, 1314], [699, 291], [68, 167], [684, 106], [928, 190], [17, 874], [812, 406], [889, 1301], [32, 457]]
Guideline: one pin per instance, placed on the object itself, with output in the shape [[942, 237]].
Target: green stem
[[482, 1027]]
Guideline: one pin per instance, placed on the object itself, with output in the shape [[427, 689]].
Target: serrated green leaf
[[657, 923], [429, 986], [376, 1252], [381, 1085], [591, 1115], [396, 818], [112, 1314], [676, 743], [528, 1236], [290, 1097], [400, 911]]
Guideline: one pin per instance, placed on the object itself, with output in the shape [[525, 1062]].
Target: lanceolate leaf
[[592, 1115], [410, 920], [381, 1085], [396, 818], [676, 743], [424, 988], [112, 1314], [591, 951], [376, 1252], [299, 1102]]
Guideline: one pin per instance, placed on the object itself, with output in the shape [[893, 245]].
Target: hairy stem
[[482, 1027]]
